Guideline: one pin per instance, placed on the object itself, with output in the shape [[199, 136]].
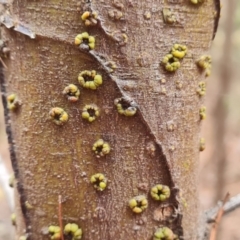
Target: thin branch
[[4, 182], [4, 65], [210, 216], [60, 215], [220, 213], [230, 206]]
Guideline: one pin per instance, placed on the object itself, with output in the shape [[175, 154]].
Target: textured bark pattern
[[50, 160]]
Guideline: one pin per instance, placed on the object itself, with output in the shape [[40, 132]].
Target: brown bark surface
[[51, 160]]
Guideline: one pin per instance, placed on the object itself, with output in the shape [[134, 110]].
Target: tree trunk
[[158, 145]]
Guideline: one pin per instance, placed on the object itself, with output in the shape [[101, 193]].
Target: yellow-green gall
[[85, 15], [168, 16], [12, 102], [119, 37], [71, 92], [164, 233], [111, 66], [171, 126], [23, 238], [90, 79], [202, 145], [205, 63], [171, 63], [58, 115], [163, 80], [138, 204], [125, 106], [90, 112], [101, 148], [197, 1], [147, 15], [179, 85], [115, 14], [99, 181], [85, 38], [78, 234], [11, 180], [28, 205], [73, 230], [151, 148], [202, 113], [125, 38], [160, 192], [13, 219], [55, 232], [179, 51], [89, 18], [201, 90], [118, 4], [53, 229], [208, 72]]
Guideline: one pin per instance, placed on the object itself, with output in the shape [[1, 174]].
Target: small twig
[[220, 213], [3, 63], [230, 206], [210, 215], [4, 182], [60, 215]]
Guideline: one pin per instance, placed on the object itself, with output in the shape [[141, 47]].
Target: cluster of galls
[[201, 90], [58, 115], [159, 193], [85, 41], [90, 79], [168, 16], [205, 63], [99, 181], [138, 204], [164, 233], [71, 229], [89, 18], [12, 102], [202, 144], [72, 92], [202, 113], [90, 112], [125, 107], [87, 79], [101, 148], [171, 61]]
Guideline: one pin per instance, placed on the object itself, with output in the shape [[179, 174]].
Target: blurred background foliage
[[220, 162]]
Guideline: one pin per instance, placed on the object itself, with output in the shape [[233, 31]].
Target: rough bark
[[51, 160]]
